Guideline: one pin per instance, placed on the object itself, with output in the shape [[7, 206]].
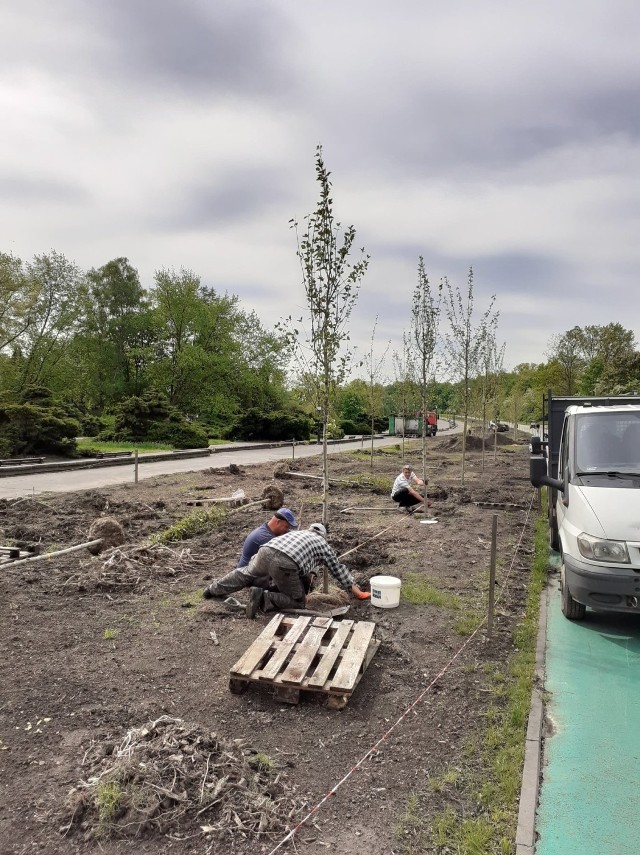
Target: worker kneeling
[[287, 561]]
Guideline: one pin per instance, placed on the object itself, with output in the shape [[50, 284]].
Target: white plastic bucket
[[385, 592]]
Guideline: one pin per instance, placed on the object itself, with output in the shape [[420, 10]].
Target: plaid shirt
[[311, 551]]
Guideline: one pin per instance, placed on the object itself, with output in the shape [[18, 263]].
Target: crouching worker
[[404, 490], [280, 523], [288, 561]]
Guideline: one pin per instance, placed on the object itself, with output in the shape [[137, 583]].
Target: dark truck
[[589, 460]]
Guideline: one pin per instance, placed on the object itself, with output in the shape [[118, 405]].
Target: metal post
[[293, 448], [135, 467], [492, 574]]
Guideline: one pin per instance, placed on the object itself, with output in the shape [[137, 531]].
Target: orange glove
[[363, 595]]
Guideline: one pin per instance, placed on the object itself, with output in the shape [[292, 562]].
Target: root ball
[[109, 530], [273, 497], [281, 470]]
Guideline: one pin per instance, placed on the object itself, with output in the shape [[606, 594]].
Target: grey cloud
[[195, 47], [40, 189], [198, 47], [228, 198]]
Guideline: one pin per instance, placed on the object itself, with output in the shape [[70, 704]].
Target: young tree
[[492, 362], [374, 368], [464, 343], [405, 398], [331, 282], [425, 318]]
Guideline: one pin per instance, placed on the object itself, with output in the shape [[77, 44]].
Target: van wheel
[[571, 609]]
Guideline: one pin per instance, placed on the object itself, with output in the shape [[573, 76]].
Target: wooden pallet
[[312, 654]]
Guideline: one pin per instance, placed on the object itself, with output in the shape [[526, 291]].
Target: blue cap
[[286, 515]]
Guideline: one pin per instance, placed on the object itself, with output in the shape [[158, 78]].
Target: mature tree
[[110, 333], [58, 286], [567, 351], [262, 358], [465, 341], [425, 318], [178, 306], [18, 295], [331, 283]]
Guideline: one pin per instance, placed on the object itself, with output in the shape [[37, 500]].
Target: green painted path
[[589, 800]]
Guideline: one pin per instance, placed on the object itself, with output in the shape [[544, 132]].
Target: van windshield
[[608, 442]]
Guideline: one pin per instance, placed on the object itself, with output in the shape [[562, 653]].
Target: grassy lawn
[[91, 444], [87, 443]]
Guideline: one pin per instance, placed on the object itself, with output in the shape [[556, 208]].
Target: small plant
[[375, 483], [448, 779], [262, 763], [194, 523], [110, 634], [468, 622], [108, 797], [420, 592], [191, 598], [410, 829]]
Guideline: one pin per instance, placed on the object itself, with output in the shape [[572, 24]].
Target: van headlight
[[597, 549]]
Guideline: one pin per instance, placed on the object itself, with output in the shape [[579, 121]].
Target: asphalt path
[[69, 481]]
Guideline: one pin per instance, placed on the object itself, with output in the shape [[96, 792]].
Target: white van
[[595, 506]]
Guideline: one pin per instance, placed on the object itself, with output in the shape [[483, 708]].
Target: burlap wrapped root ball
[[273, 497], [281, 470], [324, 602], [109, 531]]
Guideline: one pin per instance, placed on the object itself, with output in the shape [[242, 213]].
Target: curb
[[96, 463], [530, 788]]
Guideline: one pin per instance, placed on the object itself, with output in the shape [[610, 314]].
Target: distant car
[[499, 426]]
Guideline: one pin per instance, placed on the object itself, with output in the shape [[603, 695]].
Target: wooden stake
[[492, 574], [46, 555]]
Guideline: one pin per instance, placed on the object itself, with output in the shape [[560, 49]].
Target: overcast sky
[[181, 133]]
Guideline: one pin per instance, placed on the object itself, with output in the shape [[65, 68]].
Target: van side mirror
[[538, 474]]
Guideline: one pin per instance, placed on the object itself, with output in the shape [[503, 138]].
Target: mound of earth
[[171, 776]]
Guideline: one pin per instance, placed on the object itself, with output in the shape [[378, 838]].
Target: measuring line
[[364, 542], [409, 709]]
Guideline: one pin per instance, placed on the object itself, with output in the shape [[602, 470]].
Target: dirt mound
[[474, 442], [169, 775]]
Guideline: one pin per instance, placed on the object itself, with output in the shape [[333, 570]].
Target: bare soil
[[93, 648]]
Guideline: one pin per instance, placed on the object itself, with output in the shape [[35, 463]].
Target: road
[[86, 479]]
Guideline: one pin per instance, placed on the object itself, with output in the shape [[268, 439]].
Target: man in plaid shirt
[[289, 558]]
